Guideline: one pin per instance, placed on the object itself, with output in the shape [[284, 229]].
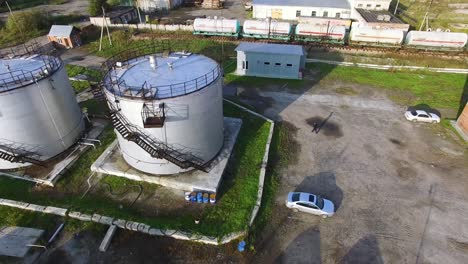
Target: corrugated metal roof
[[372, 16], [306, 3], [271, 48], [60, 31]]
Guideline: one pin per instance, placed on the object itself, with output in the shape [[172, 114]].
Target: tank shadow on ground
[[305, 248], [365, 251], [323, 184]]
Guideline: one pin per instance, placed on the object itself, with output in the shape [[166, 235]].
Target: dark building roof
[[378, 16], [119, 11]]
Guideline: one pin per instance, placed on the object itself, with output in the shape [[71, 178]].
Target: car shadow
[[323, 184], [305, 248], [425, 107], [365, 251]]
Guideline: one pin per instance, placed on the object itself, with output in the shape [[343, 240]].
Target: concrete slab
[[14, 240], [107, 238], [111, 162]]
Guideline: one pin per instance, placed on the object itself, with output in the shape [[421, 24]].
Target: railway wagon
[[267, 29], [325, 21], [320, 33], [216, 27], [432, 40], [376, 37]]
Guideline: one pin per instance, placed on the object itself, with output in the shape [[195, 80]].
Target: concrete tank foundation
[[111, 162]]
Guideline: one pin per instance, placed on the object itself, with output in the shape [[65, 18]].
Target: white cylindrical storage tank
[[320, 31], [265, 27], [39, 114], [177, 105], [216, 25], [377, 36], [436, 39]]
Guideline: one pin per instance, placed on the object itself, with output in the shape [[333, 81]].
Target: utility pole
[[426, 17], [396, 7], [104, 22]]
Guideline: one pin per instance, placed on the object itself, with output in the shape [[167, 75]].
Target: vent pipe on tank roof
[[153, 62]]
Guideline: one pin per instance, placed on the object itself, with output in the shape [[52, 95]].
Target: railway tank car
[[432, 40], [376, 37], [320, 33], [216, 27], [267, 29]]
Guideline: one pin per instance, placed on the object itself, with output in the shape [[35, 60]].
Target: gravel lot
[[399, 187]]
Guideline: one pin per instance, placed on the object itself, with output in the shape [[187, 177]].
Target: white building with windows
[[293, 9]]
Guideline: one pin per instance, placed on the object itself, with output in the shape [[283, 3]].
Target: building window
[[378, 6], [325, 13], [298, 13], [369, 5], [289, 65], [59, 40], [266, 63], [278, 64], [246, 65], [359, 5], [337, 15], [314, 13]]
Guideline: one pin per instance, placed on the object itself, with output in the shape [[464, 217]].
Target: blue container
[[206, 198], [193, 197], [241, 246], [199, 197]]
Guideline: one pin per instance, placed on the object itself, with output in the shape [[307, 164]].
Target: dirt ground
[[400, 190]]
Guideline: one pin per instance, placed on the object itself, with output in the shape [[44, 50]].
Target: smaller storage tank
[[216, 26], [266, 29], [39, 114], [376, 36], [167, 109], [311, 32], [451, 40]]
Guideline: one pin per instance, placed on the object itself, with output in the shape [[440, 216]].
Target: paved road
[[79, 7]]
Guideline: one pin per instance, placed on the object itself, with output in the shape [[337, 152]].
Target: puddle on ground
[[327, 127]]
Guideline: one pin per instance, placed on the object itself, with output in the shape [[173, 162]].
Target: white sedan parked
[[422, 116], [310, 203]]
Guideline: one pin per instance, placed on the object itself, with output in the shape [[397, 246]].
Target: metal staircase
[[97, 92], [9, 154], [154, 147]]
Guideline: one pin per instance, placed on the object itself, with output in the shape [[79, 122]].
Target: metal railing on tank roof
[[147, 91], [18, 78]]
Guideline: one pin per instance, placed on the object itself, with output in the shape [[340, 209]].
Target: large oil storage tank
[[216, 26], [166, 109], [434, 39], [267, 29], [39, 114]]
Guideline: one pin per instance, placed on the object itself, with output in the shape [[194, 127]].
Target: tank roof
[[20, 71], [174, 75]]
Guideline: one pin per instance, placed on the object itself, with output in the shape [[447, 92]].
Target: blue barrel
[[199, 197], [241, 246]]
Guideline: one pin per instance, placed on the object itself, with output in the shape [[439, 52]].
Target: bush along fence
[[144, 228]]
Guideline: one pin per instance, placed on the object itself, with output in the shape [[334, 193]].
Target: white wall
[[289, 12]]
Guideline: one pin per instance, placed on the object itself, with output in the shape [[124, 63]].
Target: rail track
[[324, 46]]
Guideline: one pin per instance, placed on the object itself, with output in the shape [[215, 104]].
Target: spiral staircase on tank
[[16, 156], [153, 146]]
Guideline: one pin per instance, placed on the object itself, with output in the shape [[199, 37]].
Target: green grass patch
[[74, 70], [438, 90], [95, 107], [237, 196], [80, 86]]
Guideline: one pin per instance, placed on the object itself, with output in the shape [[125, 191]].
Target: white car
[[422, 116], [310, 203]]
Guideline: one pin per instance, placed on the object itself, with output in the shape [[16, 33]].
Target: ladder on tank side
[[9, 154], [154, 147]]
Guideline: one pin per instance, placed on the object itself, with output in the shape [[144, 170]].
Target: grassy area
[[441, 15], [21, 4], [75, 70], [239, 190], [438, 90], [95, 107]]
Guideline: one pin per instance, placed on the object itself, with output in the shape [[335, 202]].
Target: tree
[[95, 7]]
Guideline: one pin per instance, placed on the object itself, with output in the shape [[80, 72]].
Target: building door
[[277, 13], [67, 42]]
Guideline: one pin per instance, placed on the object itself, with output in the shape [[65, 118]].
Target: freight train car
[[267, 29], [432, 40], [320, 33], [216, 27], [376, 37]]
